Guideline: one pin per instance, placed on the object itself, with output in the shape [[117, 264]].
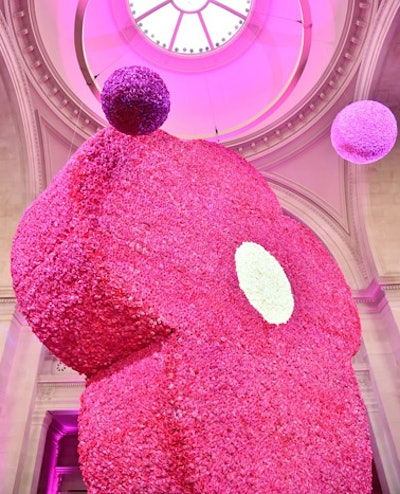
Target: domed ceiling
[[234, 68]]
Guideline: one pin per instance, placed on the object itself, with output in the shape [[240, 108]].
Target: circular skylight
[[190, 27]]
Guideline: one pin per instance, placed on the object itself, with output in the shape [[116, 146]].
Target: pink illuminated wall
[[60, 470]]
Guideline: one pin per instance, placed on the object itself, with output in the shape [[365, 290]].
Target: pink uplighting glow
[[364, 132], [277, 57], [206, 85]]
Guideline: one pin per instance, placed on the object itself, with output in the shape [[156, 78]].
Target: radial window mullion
[[229, 9], [207, 34], [190, 27], [151, 11], [175, 33]]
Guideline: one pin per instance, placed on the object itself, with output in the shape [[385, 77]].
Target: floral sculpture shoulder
[[216, 333]]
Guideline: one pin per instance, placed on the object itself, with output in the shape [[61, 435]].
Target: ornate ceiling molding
[[42, 73], [390, 283], [371, 299], [293, 126]]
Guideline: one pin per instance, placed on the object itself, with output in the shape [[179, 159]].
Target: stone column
[[20, 360], [378, 372]]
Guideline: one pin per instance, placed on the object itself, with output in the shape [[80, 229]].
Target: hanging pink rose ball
[[135, 100], [364, 132]]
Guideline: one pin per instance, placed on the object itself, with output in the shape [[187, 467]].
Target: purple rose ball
[[135, 100], [364, 131]]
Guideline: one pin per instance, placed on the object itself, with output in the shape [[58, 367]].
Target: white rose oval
[[264, 282]]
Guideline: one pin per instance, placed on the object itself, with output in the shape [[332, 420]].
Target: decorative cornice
[[43, 74], [374, 298], [392, 287], [46, 382], [390, 283], [373, 294], [58, 395]]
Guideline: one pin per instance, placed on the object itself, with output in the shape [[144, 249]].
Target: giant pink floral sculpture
[[134, 267]]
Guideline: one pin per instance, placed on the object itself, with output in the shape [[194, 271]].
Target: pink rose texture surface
[[125, 269], [364, 132], [135, 100]]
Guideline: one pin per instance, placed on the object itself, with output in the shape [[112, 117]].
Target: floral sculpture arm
[[127, 268]]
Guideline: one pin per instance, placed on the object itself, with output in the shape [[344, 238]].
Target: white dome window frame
[[190, 27]]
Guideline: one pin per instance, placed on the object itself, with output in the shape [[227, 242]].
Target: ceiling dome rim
[[309, 111]]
